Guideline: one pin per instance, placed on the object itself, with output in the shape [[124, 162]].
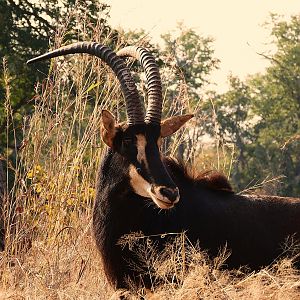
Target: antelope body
[[139, 190]]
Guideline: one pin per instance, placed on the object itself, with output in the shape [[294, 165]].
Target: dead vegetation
[[69, 268]]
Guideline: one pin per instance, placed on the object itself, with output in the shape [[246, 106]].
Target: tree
[[27, 29], [235, 119], [265, 125], [191, 56]]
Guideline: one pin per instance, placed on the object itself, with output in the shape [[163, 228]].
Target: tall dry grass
[[50, 253]]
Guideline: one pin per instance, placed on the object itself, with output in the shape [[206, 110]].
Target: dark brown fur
[[211, 179], [254, 228]]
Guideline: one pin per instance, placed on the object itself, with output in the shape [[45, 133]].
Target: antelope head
[[138, 139]]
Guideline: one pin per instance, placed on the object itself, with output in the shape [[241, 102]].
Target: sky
[[235, 25]]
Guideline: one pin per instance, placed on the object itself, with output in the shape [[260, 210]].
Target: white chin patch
[[161, 201]]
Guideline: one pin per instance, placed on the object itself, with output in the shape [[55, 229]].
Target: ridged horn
[[155, 98], [134, 107]]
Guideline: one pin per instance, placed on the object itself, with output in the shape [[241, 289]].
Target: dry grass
[[70, 268], [50, 253]]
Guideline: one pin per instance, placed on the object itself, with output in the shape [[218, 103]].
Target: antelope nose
[[171, 194]]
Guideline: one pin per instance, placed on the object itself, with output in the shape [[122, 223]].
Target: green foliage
[[27, 27], [262, 115], [184, 57], [192, 55]]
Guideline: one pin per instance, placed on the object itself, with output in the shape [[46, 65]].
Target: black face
[[147, 173]]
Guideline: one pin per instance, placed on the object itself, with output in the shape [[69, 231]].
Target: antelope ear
[[171, 125], [108, 127]]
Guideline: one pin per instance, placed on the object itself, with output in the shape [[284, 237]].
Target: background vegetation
[[50, 148]]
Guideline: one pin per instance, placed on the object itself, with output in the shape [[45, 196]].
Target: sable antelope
[[134, 173]]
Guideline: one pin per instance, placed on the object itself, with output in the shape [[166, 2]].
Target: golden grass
[[70, 268]]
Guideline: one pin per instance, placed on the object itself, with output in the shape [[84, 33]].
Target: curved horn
[[134, 107], [155, 98]]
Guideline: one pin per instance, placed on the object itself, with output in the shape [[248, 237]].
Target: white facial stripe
[[138, 183], [143, 188], [141, 146]]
